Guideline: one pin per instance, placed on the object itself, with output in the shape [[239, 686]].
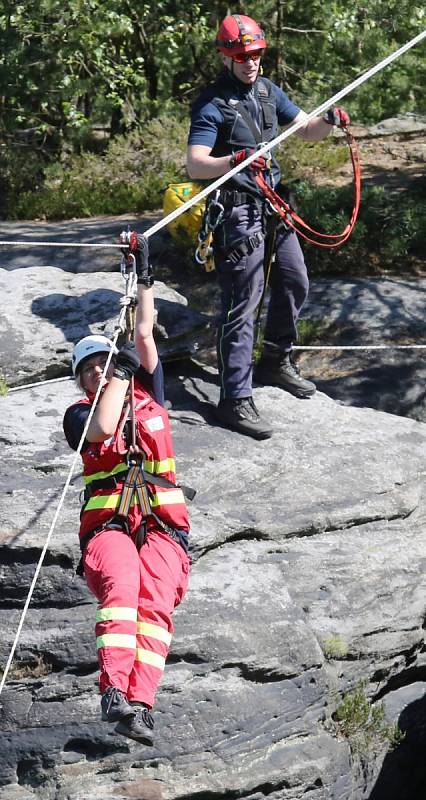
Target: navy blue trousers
[[241, 286]]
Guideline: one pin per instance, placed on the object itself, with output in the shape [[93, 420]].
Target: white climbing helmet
[[89, 346]]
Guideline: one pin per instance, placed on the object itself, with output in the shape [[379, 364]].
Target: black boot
[[139, 727], [114, 705], [281, 371], [242, 415]]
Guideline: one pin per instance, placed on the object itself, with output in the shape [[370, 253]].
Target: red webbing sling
[[292, 219]]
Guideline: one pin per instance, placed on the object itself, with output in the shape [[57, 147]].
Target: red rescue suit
[[137, 592]]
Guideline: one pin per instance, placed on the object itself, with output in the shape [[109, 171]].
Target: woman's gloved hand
[[127, 362]]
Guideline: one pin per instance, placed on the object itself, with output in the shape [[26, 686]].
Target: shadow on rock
[[192, 387], [74, 315], [395, 386], [403, 773]]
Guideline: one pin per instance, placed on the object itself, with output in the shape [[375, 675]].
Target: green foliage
[[131, 176], [335, 647], [309, 331], [66, 69], [391, 226], [112, 78], [364, 724]]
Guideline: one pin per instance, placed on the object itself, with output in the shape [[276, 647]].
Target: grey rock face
[[386, 313], [96, 230], [308, 575], [47, 310], [308, 571]]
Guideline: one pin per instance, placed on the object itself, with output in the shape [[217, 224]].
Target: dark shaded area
[[104, 230], [403, 774], [397, 388], [72, 315]]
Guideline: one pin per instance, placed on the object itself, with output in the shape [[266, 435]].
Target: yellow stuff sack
[[189, 222]]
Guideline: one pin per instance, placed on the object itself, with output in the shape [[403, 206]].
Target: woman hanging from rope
[[134, 522]]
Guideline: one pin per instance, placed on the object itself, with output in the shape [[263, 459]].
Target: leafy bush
[[391, 227], [130, 176], [365, 725]]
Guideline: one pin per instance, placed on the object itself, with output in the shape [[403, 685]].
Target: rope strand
[[117, 332]]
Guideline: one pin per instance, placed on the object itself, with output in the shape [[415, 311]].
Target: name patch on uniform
[[155, 424]]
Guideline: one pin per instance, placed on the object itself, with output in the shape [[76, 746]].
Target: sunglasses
[[241, 58]]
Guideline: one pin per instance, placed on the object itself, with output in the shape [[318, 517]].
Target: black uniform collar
[[240, 88]]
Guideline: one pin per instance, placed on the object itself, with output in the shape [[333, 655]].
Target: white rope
[[295, 347], [28, 243], [119, 329], [265, 149], [38, 383], [362, 347]]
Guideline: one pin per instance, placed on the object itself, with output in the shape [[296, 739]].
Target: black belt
[[235, 198], [112, 481]]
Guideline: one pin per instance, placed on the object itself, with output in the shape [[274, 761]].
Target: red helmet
[[239, 34]]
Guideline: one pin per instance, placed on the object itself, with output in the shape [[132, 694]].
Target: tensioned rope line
[[295, 347], [119, 329], [60, 244], [264, 149], [360, 347]]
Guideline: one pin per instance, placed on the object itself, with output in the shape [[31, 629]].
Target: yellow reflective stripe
[[116, 640], [98, 476], [111, 613], [154, 632], [160, 498], [155, 467], [171, 497], [105, 501], [148, 657]]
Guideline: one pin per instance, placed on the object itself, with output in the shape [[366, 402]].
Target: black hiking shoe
[[139, 727], [242, 415], [115, 706], [283, 372]]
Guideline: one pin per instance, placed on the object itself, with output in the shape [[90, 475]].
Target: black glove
[[127, 362], [138, 247], [257, 164], [338, 117]]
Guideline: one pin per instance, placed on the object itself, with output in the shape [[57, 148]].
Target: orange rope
[[292, 219]]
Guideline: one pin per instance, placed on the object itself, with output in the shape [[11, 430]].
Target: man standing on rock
[[229, 121]]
